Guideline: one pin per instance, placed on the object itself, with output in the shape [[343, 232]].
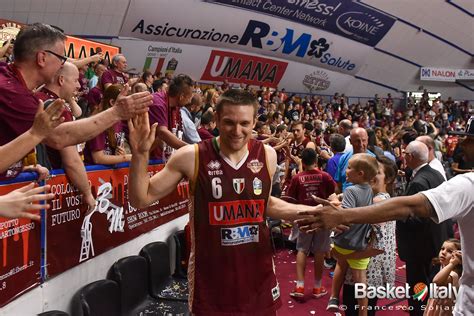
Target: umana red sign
[[242, 68]]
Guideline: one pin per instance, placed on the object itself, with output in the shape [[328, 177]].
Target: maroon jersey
[[308, 183], [231, 266], [297, 149]]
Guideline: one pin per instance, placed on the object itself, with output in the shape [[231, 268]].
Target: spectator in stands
[[344, 129], [165, 105], [338, 145], [359, 140], [6, 51], [190, 133], [38, 51], [18, 203], [99, 70], [65, 85], [208, 124], [107, 148], [147, 79], [432, 160], [116, 73], [139, 87], [210, 100], [44, 123], [95, 94], [160, 85]]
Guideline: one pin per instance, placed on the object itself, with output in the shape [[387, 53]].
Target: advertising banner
[[75, 47], [346, 18], [75, 236], [79, 48], [206, 64], [20, 251], [207, 24], [465, 74], [445, 74], [240, 68]]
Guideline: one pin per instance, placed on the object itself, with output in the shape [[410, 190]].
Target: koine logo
[[358, 24], [239, 235]]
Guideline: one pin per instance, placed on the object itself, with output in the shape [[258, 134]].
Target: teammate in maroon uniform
[[230, 267], [303, 186], [297, 145]]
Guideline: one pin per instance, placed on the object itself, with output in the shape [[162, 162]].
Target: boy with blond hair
[[362, 168]]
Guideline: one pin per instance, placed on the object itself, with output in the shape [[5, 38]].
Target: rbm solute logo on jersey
[[233, 236]]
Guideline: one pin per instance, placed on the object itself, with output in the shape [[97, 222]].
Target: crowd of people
[[59, 112]]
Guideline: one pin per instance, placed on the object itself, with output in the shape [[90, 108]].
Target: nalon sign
[[438, 74]]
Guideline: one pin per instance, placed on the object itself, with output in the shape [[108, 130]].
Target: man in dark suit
[[419, 239]]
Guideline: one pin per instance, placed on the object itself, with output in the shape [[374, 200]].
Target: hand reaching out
[[128, 106], [141, 135], [18, 203], [47, 120], [325, 216]]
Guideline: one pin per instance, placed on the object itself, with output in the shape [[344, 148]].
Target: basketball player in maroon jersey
[[230, 267]]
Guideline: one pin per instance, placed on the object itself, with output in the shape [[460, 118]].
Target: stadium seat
[[131, 273], [97, 298], [162, 284]]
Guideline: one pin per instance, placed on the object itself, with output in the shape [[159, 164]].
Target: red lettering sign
[[236, 212], [20, 251], [247, 69]]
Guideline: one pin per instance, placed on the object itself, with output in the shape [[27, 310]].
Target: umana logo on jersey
[[236, 212]]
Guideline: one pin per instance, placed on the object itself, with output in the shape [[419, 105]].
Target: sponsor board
[[75, 237], [232, 236], [20, 251], [243, 68], [316, 81], [194, 60], [350, 19], [75, 47], [79, 48], [267, 36], [445, 74]]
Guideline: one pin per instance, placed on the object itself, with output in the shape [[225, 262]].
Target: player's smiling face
[[235, 124]]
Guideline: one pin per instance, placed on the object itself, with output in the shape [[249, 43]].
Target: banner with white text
[[206, 24], [75, 237], [206, 64]]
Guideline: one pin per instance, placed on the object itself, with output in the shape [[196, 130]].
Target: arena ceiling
[[370, 46]]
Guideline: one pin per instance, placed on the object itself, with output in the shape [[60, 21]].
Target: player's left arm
[[277, 208]]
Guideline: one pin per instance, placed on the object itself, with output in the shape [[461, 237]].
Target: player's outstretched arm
[[330, 216], [142, 190]]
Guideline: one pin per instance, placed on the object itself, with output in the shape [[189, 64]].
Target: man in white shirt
[[453, 199], [432, 160]]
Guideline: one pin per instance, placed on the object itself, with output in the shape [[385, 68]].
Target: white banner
[[446, 74], [465, 74], [206, 64], [205, 24]]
